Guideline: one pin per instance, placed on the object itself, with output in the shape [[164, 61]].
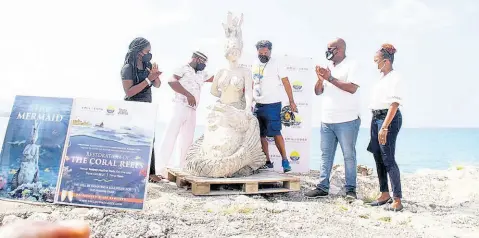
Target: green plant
[[385, 219]]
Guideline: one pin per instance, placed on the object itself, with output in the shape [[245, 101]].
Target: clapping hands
[[323, 73], [154, 73]]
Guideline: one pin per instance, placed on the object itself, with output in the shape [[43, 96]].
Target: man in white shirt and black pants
[[269, 80], [339, 117]]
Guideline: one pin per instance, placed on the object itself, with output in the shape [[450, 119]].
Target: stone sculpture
[[28, 171], [230, 146]]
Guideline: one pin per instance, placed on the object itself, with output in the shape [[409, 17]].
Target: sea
[[417, 148]]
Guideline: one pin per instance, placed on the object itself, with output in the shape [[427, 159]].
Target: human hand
[[293, 107], [382, 135], [191, 100], [325, 73], [318, 73], [43, 229], [154, 73]]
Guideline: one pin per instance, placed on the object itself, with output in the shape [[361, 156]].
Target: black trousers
[[152, 163], [385, 155]]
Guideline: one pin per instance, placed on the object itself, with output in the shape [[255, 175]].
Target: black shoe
[[394, 209], [268, 165], [351, 195], [316, 193], [378, 203]]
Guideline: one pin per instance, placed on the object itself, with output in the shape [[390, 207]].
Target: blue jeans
[[384, 155], [346, 133]]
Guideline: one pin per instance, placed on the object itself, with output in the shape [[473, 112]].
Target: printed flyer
[[107, 157], [33, 147]]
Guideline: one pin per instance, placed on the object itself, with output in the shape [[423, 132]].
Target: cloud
[[170, 16], [414, 15]]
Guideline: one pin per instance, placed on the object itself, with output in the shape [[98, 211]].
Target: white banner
[[297, 127]]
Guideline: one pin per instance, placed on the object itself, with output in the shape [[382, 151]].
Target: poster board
[[32, 148], [107, 157]]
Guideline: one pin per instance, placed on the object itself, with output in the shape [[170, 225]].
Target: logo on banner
[[110, 110], [302, 69], [289, 118], [294, 156], [297, 86], [270, 140]]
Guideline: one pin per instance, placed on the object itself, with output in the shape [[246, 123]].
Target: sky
[[76, 48]]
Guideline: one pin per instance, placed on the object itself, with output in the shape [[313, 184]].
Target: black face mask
[[147, 57], [330, 54], [263, 58], [200, 66]]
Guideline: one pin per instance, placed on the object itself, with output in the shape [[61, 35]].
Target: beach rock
[[80, 211], [10, 219], [155, 230], [94, 214], [39, 217], [430, 210]]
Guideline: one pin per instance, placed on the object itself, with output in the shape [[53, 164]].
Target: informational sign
[[33, 147], [296, 126], [107, 157]]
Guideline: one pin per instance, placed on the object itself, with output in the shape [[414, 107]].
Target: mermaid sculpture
[[28, 171], [230, 146]]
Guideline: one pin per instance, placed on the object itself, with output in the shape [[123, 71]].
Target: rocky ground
[[437, 204]]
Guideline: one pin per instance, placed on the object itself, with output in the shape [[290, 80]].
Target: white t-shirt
[[192, 81], [386, 91], [337, 105], [268, 87]]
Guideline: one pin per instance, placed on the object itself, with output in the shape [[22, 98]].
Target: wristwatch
[[330, 79]]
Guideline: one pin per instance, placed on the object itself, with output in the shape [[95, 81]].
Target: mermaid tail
[[230, 147]]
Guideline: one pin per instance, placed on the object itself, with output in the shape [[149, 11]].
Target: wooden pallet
[[255, 184]]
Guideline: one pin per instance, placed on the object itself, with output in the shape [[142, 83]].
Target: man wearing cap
[[269, 81], [186, 82]]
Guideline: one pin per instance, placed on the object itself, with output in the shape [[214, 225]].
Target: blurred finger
[[41, 229]]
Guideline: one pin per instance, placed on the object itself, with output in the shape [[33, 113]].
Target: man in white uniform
[[338, 85], [186, 82]]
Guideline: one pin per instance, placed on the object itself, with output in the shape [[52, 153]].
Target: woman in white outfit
[[231, 144]]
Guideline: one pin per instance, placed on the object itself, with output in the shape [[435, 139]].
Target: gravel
[[437, 204]]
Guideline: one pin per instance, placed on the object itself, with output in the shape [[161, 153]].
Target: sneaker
[[268, 165], [351, 195], [316, 193], [286, 166]]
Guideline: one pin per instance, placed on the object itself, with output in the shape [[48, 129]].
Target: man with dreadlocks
[[138, 76], [186, 82]]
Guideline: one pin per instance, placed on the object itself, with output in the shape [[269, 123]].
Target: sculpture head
[[233, 50], [34, 133], [234, 38]]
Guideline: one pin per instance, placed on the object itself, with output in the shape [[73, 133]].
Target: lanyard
[[262, 71]]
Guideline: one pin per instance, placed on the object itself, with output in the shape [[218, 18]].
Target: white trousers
[[180, 131]]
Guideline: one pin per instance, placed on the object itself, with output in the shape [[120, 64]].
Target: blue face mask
[[200, 66], [147, 57]]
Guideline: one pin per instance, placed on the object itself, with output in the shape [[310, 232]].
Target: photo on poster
[[32, 148], [106, 162]]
